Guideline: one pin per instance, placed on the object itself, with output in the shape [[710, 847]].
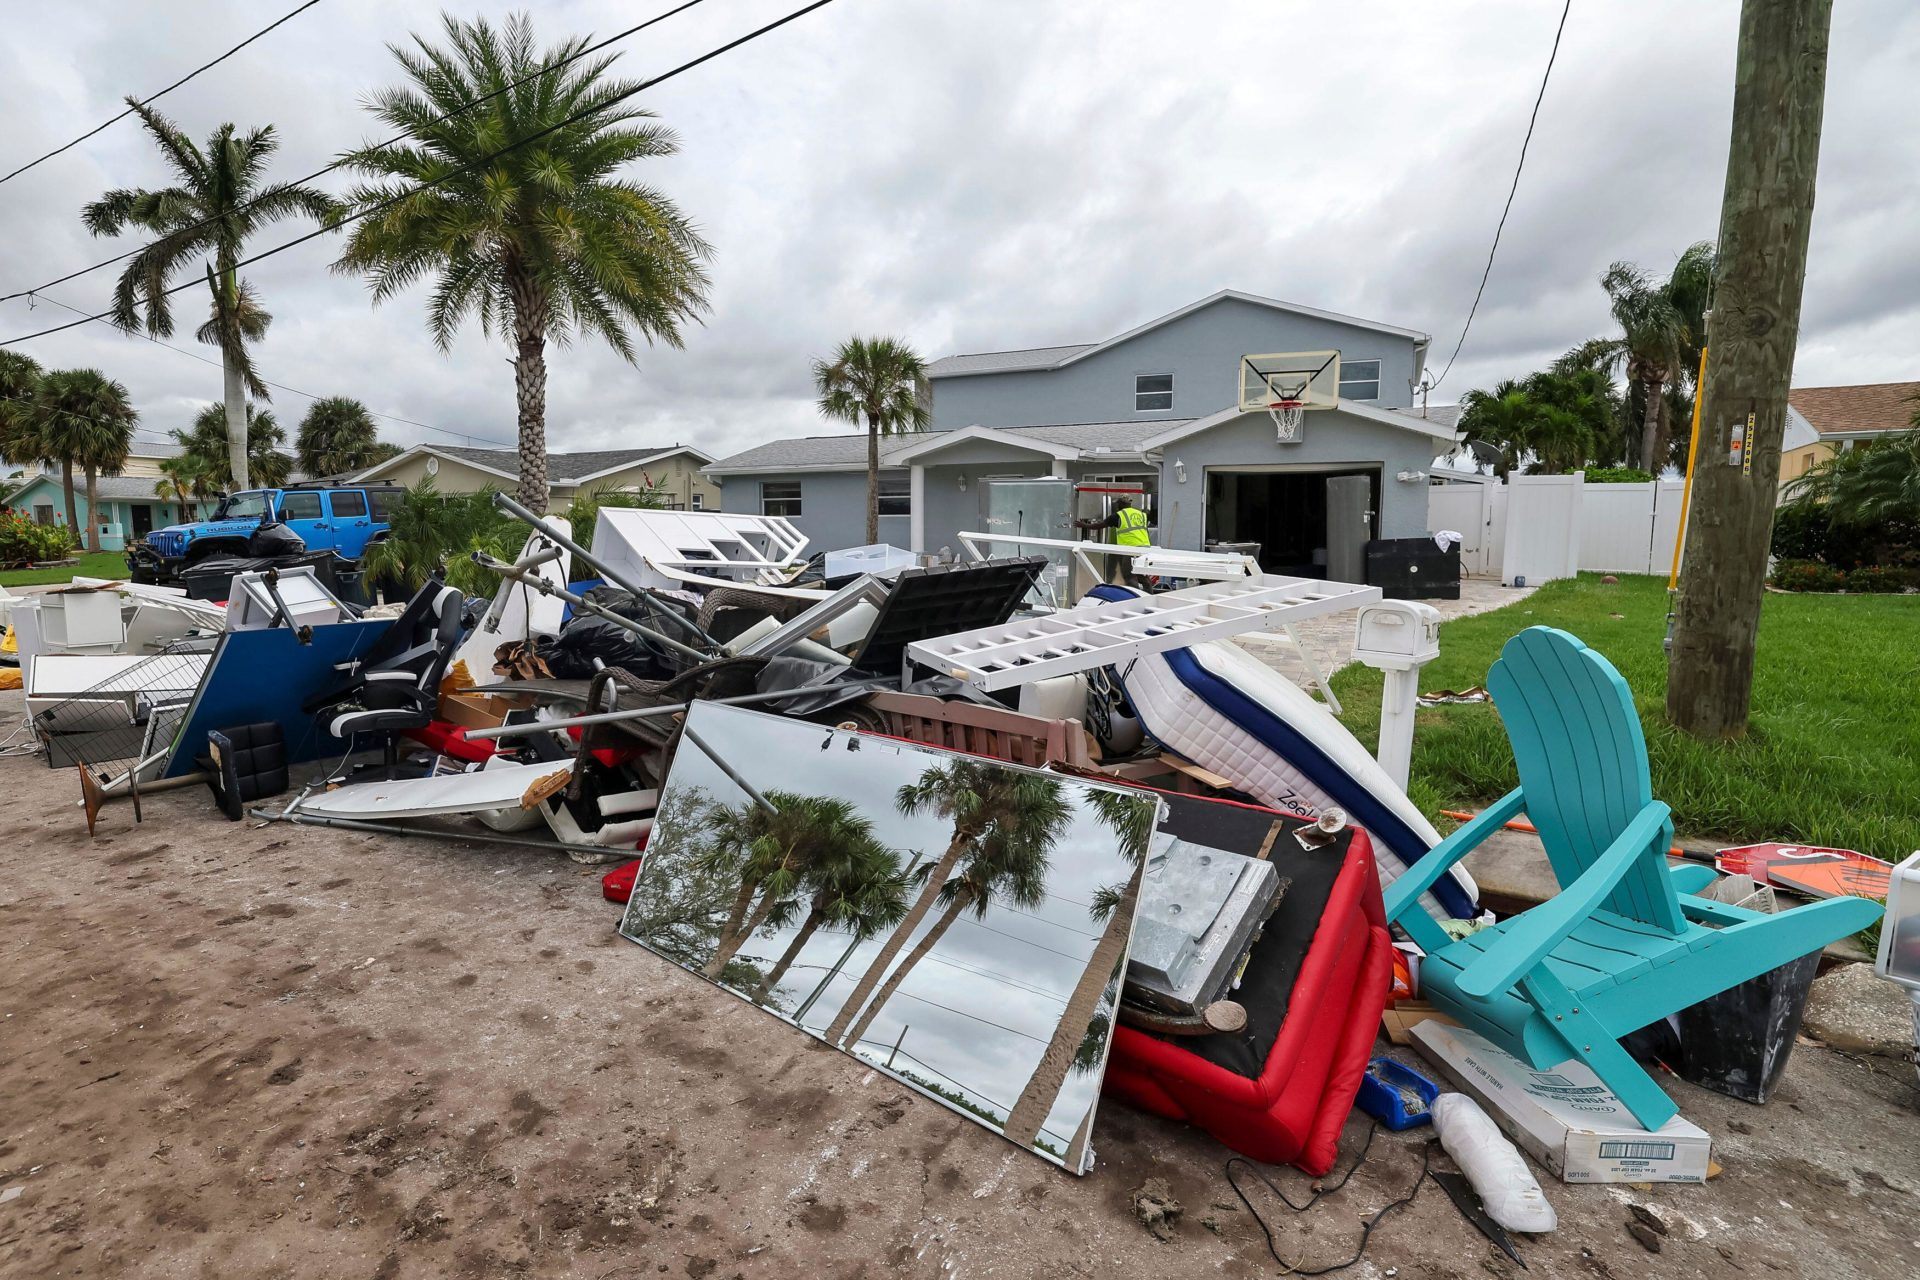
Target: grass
[[101, 564], [1832, 756]]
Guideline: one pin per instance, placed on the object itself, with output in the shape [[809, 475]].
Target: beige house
[[670, 471], [1835, 419]]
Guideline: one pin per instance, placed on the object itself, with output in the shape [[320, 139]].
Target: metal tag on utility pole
[[1737, 455]]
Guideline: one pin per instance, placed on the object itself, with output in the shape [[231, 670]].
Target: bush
[[1882, 579], [1805, 529], [1618, 475], [24, 541], [1807, 575]]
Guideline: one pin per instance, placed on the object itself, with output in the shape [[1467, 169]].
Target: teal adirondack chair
[[1625, 942]]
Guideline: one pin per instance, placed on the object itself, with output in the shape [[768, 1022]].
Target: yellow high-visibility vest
[[1132, 531]]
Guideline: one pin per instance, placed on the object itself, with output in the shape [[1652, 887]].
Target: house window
[[699, 501], [779, 497], [1152, 392], [895, 496], [43, 513], [1359, 379]]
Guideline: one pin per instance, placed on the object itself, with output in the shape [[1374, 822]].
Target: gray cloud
[[1000, 173]]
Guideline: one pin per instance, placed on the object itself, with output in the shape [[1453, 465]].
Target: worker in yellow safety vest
[[1129, 524]]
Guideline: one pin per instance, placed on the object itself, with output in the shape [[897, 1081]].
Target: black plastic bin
[[1737, 1042], [1413, 569]]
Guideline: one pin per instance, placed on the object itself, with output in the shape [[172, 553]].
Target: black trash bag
[[273, 540], [570, 655]]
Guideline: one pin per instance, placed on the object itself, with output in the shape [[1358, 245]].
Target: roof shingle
[[1875, 406], [808, 452]]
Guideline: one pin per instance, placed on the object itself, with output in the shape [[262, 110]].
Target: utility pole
[[1779, 82]]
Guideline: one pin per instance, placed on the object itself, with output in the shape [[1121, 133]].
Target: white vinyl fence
[[1547, 527]]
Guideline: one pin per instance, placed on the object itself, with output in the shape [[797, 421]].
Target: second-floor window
[[1152, 392], [1359, 379], [780, 497]]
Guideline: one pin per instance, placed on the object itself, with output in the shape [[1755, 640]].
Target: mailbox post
[[1397, 638]]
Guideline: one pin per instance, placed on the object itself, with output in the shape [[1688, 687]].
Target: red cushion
[[1291, 1114], [452, 740], [617, 884]]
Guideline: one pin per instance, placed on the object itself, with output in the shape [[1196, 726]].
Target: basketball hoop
[[1288, 417]]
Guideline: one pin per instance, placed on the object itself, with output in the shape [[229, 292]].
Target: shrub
[[24, 541], [583, 513], [1618, 475], [1881, 579], [1807, 575], [1805, 529]]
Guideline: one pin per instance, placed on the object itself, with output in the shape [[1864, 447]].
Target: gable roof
[[562, 468], [957, 366], [849, 452], [1177, 431], [1864, 409], [112, 488]]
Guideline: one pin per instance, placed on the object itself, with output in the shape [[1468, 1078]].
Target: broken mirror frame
[[958, 923]]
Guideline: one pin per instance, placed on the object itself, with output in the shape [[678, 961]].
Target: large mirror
[[961, 924]]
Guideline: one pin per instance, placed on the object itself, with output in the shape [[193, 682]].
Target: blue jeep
[[342, 520]]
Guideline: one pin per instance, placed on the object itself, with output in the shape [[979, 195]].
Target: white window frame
[[1137, 393], [798, 498], [1375, 380], [697, 501]]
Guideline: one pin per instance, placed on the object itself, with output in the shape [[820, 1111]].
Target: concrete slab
[[1852, 1008]]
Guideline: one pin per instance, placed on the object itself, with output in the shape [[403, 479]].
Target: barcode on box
[[1636, 1151]]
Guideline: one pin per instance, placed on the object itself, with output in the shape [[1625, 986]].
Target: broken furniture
[[663, 550], [245, 763], [394, 686], [940, 917], [273, 597], [1625, 942], [1313, 987]]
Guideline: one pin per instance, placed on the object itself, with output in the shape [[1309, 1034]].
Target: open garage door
[[1310, 523]]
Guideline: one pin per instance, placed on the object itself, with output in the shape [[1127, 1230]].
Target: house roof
[[562, 468], [112, 488], [1446, 416], [849, 452], [1172, 432], [1858, 410], [956, 366]]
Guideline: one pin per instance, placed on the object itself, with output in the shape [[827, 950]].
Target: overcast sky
[[1000, 173]]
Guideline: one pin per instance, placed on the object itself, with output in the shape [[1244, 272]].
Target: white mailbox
[[1398, 635]]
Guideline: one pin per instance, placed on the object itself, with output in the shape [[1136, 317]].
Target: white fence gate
[[1609, 528]]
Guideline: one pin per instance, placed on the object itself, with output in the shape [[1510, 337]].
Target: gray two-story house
[[1154, 413]]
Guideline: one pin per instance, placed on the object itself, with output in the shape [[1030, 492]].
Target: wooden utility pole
[[1779, 82]]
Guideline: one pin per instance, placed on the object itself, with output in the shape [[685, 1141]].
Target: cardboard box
[[1565, 1118], [1405, 1015], [478, 710]]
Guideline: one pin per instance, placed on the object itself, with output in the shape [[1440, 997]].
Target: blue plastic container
[[1396, 1095]]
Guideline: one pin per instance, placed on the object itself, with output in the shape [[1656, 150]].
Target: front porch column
[[1059, 469], [916, 509]]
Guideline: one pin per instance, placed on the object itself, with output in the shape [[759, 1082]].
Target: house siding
[[115, 512], [1201, 350], [677, 479], [451, 477], [833, 507]]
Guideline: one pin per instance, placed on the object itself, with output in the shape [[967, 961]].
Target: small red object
[[451, 740], [1809, 869], [617, 884]]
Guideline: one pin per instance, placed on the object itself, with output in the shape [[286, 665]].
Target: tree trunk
[[1036, 1100], [873, 478], [772, 981], [960, 903], [898, 938], [1077, 1149], [93, 507], [735, 917], [1765, 215], [73, 510], [730, 946], [1650, 423], [236, 402], [530, 384]]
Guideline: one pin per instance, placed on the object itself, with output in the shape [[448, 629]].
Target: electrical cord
[[1366, 1230], [1531, 121], [163, 93]]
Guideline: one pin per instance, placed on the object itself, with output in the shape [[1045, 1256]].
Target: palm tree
[[434, 534], [204, 451], [1131, 818], [857, 889], [1503, 419], [974, 795], [338, 435], [1007, 868], [19, 383], [541, 241], [85, 419], [883, 382], [1662, 327], [218, 201]]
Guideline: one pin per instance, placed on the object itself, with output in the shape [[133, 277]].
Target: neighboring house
[[1834, 419], [671, 471], [128, 507], [1153, 409]]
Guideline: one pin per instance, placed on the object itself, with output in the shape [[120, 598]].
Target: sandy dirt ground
[[234, 1051]]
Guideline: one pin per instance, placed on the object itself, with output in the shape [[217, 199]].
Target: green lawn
[[1832, 758], [104, 564]]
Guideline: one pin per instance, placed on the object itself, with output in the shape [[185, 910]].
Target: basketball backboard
[[1310, 377]]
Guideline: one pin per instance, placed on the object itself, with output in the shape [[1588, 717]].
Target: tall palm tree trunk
[[233, 385], [730, 945], [93, 507], [1036, 1100], [960, 903], [73, 511], [772, 981], [873, 477], [1650, 424], [530, 385], [736, 916], [898, 938]]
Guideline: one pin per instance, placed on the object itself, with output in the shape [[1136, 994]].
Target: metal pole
[[546, 588], [391, 829], [686, 731], [647, 713], [580, 553]]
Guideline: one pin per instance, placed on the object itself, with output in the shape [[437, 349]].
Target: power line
[[1017, 938], [389, 202], [351, 156], [278, 386], [1531, 120], [163, 93], [971, 1017]]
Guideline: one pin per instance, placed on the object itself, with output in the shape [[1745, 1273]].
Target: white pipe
[[622, 835], [616, 803]]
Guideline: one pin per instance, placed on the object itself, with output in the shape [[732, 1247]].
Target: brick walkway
[[1330, 638]]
